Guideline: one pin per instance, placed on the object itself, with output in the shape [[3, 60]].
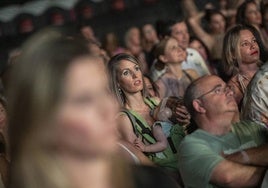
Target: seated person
[[201, 154], [179, 30], [255, 103]]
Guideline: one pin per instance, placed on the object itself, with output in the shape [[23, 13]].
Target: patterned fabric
[[176, 87], [255, 103], [240, 83]]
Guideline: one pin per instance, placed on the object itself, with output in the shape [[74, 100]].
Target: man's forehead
[[209, 82]]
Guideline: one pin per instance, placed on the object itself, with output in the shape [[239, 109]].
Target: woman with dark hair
[[243, 53], [249, 13]]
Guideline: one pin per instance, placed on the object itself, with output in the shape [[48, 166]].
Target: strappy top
[[176, 87]]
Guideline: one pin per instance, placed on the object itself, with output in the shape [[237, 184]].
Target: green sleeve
[[247, 130], [196, 162]]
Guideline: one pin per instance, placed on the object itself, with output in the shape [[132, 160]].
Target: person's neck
[[217, 125], [134, 101], [248, 70], [175, 69], [87, 172]]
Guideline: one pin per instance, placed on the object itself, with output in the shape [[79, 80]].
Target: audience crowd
[[182, 103]]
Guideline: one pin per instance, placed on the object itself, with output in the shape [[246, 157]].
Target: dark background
[[105, 19]]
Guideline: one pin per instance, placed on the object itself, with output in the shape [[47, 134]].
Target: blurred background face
[[174, 52], [217, 24], [180, 32], [3, 117], [253, 14], [195, 44], [134, 36], [149, 33], [88, 33], [87, 113], [150, 88]]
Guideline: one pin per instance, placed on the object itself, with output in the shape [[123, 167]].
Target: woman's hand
[[139, 144]]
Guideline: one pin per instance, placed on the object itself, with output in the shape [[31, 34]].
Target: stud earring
[[119, 90]]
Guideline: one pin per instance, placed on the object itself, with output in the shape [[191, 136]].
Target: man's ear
[[197, 104]]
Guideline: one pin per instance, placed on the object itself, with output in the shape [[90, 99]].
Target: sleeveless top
[[176, 87], [133, 156]]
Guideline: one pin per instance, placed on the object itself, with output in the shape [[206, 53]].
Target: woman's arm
[[206, 38], [125, 128], [190, 8]]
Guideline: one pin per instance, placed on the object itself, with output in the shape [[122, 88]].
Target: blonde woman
[[243, 52], [60, 111], [62, 119]]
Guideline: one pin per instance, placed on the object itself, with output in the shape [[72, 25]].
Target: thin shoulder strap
[[151, 102], [188, 75], [139, 127]]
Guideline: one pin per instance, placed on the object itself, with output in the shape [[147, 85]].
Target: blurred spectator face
[[88, 33], [173, 52], [3, 117], [253, 14], [195, 44], [217, 24], [223, 3], [87, 114], [149, 33], [150, 88], [249, 48], [111, 41], [134, 36], [180, 32]]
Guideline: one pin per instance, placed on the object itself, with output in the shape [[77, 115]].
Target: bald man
[[216, 154]]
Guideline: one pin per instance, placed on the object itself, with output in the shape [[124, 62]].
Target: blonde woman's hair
[[34, 93]]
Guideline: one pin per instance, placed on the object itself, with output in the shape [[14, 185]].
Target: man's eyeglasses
[[218, 90]]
